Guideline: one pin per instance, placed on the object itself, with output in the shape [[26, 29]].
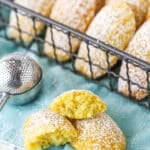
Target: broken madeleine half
[[78, 104], [46, 128]]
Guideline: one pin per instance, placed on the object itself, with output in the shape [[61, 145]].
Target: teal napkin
[[133, 119]]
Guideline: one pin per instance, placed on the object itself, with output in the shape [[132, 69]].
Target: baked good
[[148, 14], [148, 3], [140, 48], [139, 7], [26, 24], [114, 25], [99, 133], [78, 104], [73, 13], [45, 128], [99, 4]]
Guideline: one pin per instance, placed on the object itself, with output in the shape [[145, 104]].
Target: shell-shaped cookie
[[27, 26], [139, 7], [140, 48], [45, 128], [114, 25], [99, 4], [148, 14], [73, 13], [99, 133], [78, 104], [148, 3]]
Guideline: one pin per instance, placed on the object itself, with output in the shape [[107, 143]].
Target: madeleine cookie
[[148, 14], [78, 104], [99, 133], [139, 7], [46, 128], [114, 25], [73, 13], [26, 24], [140, 48], [99, 4]]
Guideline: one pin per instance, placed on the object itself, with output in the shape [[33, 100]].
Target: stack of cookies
[[77, 117]]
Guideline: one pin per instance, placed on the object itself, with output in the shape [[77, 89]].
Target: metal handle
[[3, 100]]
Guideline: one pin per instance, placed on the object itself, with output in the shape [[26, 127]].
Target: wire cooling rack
[[110, 80]]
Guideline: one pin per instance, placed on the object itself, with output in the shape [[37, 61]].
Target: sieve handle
[[3, 100]]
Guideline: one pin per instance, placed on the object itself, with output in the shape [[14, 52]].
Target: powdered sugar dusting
[[76, 14], [26, 23], [139, 47], [102, 130], [44, 122], [114, 25], [139, 7]]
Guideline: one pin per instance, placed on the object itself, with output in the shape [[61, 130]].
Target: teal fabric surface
[[133, 119]]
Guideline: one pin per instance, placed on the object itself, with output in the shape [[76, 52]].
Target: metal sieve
[[18, 74]]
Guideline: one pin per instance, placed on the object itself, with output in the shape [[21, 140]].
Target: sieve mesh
[[18, 73]]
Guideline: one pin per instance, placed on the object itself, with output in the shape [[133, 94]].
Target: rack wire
[[110, 80]]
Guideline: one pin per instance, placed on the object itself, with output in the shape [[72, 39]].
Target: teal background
[[133, 119]]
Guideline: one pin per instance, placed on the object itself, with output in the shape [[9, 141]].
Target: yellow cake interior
[[78, 104], [46, 128]]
